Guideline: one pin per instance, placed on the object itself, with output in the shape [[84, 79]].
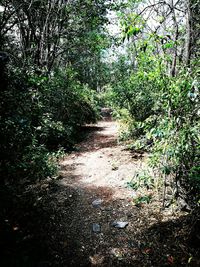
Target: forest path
[[92, 194], [99, 171], [102, 163]]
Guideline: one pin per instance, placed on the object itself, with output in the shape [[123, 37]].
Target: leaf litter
[[90, 193]]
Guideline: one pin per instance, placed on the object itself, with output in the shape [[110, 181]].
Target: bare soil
[[57, 229], [100, 169], [102, 163]]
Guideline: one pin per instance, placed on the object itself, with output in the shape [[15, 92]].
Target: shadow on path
[[57, 231], [55, 228]]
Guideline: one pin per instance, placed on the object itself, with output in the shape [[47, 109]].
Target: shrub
[[38, 113]]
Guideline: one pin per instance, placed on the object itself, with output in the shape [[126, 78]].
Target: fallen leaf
[[147, 250], [170, 260], [190, 259]]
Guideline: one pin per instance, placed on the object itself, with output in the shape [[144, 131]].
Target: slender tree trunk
[[188, 34], [176, 29]]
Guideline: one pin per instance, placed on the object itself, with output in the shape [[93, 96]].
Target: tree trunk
[[188, 34]]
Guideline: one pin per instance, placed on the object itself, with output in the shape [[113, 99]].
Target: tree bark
[[188, 34]]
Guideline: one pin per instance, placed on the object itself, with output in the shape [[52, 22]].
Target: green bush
[[38, 114], [161, 114], [176, 137]]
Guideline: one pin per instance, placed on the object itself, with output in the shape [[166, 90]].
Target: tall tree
[[48, 32]]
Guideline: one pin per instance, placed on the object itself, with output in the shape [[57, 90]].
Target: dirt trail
[[100, 170], [62, 226], [84, 234], [71, 220], [101, 162]]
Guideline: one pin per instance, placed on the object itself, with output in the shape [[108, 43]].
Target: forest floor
[[75, 218]]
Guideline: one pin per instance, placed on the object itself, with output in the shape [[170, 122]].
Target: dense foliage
[[60, 62], [39, 114], [51, 66], [156, 92]]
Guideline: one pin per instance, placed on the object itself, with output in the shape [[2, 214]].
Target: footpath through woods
[[95, 221], [89, 217]]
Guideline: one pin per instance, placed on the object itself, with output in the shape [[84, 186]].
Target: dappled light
[[99, 133], [57, 226], [100, 161]]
